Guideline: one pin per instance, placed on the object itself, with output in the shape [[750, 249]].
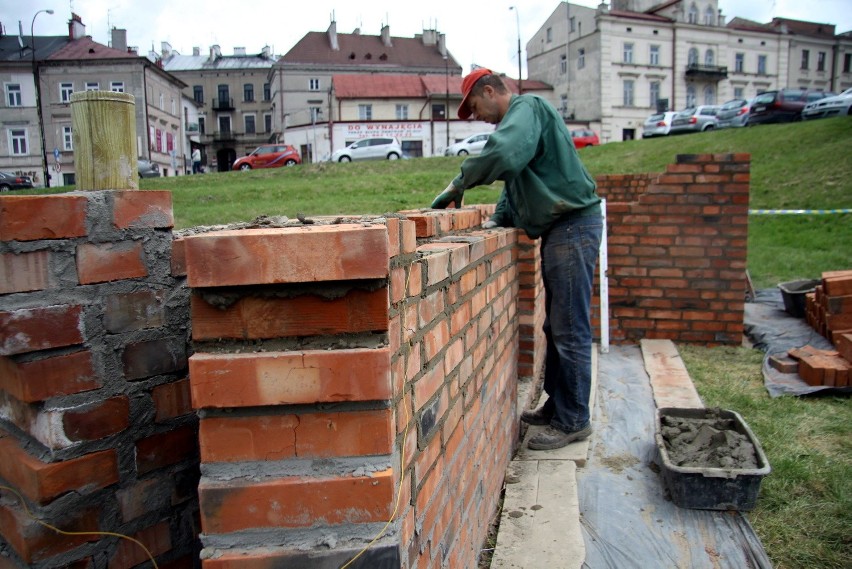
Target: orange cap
[[467, 85]]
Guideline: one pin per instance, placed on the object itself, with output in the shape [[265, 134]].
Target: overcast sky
[[484, 32]]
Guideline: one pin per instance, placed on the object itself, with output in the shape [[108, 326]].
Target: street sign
[[56, 154]]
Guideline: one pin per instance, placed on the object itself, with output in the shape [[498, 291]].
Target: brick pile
[[98, 433]]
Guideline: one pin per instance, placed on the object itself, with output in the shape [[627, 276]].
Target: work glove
[[489, 224], [451, 195]]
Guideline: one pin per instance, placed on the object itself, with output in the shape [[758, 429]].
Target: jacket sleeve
[[502, 213]]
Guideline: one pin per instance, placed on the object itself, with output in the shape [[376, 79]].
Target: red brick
[[437, 264], [27, 218], [392, 223], [178, 263], [171, 400], [148, 209], [33, 329], [133, 311], [291, 255], [408, 231], [307, 315], [42, 482], [154, 357], [144, 496], [156, 539], [105, 262], [34, 542], [38, 380], [25, 272], [296, 502], [279, 378], [164, 449], [98, 420], [317, 435]]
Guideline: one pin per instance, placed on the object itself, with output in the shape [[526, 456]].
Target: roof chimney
[[332, 36], [442, 44], [119, 39], [165, 49], [386, 39], [76, 28], [215, 53], [196, 51], [264, 53], [239, 51]]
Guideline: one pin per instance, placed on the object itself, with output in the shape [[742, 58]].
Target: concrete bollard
[[104, 127]]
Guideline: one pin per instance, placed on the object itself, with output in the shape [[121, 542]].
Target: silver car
[[836, 106], [734, 113], [658, 124], [369, 149], [695, 119], [471, 145]]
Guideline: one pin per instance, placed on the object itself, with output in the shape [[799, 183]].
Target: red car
[[269, 156], [585, 137]]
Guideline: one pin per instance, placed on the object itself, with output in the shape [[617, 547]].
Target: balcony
[[707, 72], [224, 136], [223, 104]]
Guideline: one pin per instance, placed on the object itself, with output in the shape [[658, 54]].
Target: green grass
[[804, 510]]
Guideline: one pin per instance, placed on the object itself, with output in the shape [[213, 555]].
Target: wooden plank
[[670, 381]]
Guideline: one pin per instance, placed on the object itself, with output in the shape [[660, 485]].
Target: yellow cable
[[63, 532]]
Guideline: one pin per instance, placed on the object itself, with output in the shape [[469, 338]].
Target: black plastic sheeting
[[773, 331], [627, 518]]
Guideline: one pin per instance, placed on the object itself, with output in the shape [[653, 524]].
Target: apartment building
[[614, 65], [233, 100]]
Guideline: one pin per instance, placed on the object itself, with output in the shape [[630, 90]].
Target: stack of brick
[[345, 378], [822, 367], [828, 309], [97, 431]]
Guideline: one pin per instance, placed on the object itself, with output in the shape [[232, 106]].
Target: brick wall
[[97, 431], [341, 374]]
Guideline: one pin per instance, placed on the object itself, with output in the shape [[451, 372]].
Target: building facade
[[613, 66]]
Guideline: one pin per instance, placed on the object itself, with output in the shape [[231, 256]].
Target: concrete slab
[[540, 522], [670, 381]]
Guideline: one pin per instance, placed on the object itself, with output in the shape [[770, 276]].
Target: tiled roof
[[749, 26], [225, 62], [638, 16], [800, 27], [11, 49], [377, 86], [87, 49], [356, 49]]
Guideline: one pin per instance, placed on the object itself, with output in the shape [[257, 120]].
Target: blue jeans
[[569, 252]]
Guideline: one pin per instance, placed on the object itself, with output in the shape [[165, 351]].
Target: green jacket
[[533, 154]]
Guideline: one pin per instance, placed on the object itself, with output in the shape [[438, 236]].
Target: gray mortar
[[365, 340], [260, 471], [710, 442], [302, 539], [223, 297]]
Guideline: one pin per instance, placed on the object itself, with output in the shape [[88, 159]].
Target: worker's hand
[[451, 195], [489, 224]]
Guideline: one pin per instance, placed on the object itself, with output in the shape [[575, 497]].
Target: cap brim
[[464, 112]]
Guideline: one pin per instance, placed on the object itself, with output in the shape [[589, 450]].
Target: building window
[[174, 107], [690, 96], [654, 58], [628, 53], [738, 92], [439, 111], [806, 55], [847, 62], [573, 23], [563, 64], [116, 86], [692, 57], [692, 17], [655, 92], [198, 94], [628, 92], [201, 126], [249, 122], [581, 58], [820, 61], [65, 90], [248, 93], [225, 124], [67, 138], [549, 34], [563, 105], [709, 57], [365, 112], [708, 16], [92, 86], [170, 142], [761, 65], [402, 112], [267, 92], [13, 94], [315, 114], [739, 60], [267, 123], [313, 84], [18, 141], [224, 96], [162, 102], [709, 95]]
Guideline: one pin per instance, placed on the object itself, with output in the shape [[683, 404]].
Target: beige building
[[620, 63], [233, 100]]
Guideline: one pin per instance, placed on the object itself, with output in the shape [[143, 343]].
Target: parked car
[[836, 106], [782, 105], [269, 156], [471, 145], [147, 169], [12, 181], [658, 124], [695, 119], [734, 113], [369, 149], [585, 137]]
